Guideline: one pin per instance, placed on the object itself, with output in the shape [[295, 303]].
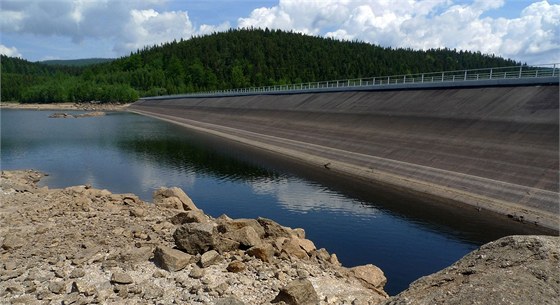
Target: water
[[128, 153]]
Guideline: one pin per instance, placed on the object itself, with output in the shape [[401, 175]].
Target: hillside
[[76, 62], [232, 59]]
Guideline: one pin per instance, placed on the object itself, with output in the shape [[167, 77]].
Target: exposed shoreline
[[84, 245], [65, 106]]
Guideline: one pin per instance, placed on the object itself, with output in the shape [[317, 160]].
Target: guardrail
[[487, 74]]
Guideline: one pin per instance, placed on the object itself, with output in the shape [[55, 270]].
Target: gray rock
[[121, 278], [298, 292], [171, 259], [196, 272], [12, 241], [514, 270], [57, 287], [195, 238], [210, 258], [77, 273]]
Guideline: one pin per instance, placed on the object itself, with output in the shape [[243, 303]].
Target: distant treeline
[[225, 60]]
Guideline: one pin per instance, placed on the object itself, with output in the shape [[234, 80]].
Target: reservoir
[[129, 153]]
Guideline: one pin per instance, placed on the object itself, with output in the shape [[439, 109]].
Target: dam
[[486, 144]]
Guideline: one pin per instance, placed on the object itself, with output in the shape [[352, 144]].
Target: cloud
[[130, 24], [298, 196], [12, 52], [422, 24]]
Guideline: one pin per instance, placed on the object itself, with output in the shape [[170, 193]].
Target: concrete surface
[[494, 148]]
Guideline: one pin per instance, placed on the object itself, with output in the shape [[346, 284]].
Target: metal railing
[[487, 74]]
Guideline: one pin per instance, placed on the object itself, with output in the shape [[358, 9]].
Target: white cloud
[[12, 52], [130, 24], [531, 36], [298, 196], [423, 24]]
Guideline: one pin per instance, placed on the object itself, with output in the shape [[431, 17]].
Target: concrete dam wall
[[491, 148]]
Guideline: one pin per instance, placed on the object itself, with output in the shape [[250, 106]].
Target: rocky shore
[[82, 245], [66, 106]]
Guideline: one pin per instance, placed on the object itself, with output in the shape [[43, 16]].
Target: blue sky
[[527, 31]]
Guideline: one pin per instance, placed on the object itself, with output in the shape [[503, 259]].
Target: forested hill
[[76, 62], [232, 59]]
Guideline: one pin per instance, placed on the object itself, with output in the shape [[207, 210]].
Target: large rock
[[195, 238], [161, 196], [264, 252], [274, 230], [189, 217], [298, 292], [171, 259], [210, 258], [246, 236], [511, 270], [226, 225], [370, 276]]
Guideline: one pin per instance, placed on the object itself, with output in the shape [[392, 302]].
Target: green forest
[[225, 60]]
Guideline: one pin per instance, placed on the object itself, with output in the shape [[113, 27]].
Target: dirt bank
[[493, 149]]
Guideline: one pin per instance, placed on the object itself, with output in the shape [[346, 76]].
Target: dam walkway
[[492, 147]]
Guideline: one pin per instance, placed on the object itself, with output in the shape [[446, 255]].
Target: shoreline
[[393, 183], [84, 245], [66, 106]]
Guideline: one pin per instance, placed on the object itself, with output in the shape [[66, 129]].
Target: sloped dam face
[[488, 148]]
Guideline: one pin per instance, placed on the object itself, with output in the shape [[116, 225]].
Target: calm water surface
[[129, 153]]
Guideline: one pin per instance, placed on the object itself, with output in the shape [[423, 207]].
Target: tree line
[[233, 59]]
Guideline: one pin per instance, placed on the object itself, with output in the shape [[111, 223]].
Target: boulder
[[236, 266], [171, 259], [195, 238], [297, 247], [298, 292], [210, 258], [174, 192], [196, 272], [370, 276], [226, 225], [246, 236], [121, 278], [169, 203], [57, 287], [514, 270], [272, 229], [12, 241], [189, 217], [224, 245], [264, 252]]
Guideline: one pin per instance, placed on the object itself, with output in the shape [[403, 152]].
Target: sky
[[523, 30]]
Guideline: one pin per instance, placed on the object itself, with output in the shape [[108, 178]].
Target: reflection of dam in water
[[492, 146]]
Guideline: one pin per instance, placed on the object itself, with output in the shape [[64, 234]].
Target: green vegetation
[[232, 59], [76, 62]]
